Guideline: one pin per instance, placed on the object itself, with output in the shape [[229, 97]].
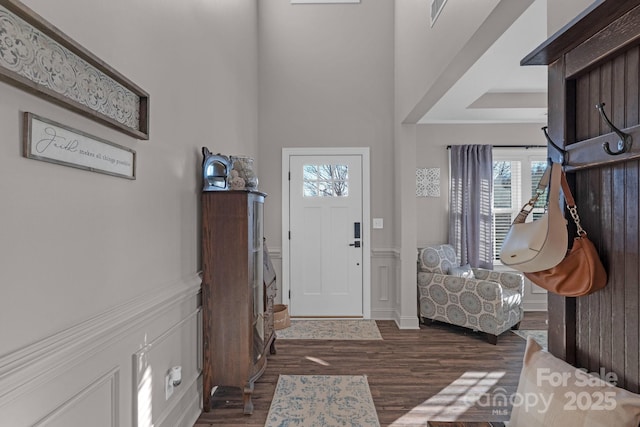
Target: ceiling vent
[[436, 8]]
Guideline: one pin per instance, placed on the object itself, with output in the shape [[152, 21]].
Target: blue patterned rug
[[322, 401], [330, 329]]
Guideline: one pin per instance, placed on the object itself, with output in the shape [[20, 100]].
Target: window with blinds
[[516, 173]]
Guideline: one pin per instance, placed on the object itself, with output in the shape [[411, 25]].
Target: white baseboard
[[407, 322], [383, 314]]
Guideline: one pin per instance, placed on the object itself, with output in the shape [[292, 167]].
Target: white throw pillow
[[553, 393], [463, 271]]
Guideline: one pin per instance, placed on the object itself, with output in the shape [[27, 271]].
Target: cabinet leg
[[206, 403], [272, 347], [206, 399], [246, 397]]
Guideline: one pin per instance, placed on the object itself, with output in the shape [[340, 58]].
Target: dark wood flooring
[[414, 375]]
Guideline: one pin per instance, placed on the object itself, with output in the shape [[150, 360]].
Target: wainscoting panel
[[83, 375], [383, 280], [384, 268], [384, 277], [152, 363], [534, 298], [98, 403]]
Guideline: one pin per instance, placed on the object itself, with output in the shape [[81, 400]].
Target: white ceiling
[[496, 89]]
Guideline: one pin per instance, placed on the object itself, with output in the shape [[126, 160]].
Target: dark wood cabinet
[[237, 307]]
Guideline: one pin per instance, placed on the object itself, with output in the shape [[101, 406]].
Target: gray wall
[[431, 152], [94, 268], [561, 12], [98, 271], [432, 213], [326, 80], [423, 52], [426, 62]]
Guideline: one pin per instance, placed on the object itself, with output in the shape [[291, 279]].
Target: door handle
[[355, 244]]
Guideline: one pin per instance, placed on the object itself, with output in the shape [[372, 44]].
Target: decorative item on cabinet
[[237, 305], [244, 166], [215, 171], [235, 181]]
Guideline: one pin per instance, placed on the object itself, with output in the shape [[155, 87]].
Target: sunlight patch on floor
[[317, 360], [453, 400]]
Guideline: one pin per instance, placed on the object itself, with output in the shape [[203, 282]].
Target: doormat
[[322, 401], [330, 329], [541, 336]]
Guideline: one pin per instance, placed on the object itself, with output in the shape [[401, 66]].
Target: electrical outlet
[[378, 223], [168, 386]]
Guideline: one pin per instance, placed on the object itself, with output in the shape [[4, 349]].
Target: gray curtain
[[470, 207]]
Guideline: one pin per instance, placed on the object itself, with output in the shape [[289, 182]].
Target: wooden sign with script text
[[53, 142]]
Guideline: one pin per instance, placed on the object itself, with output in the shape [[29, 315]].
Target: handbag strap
[[542, 185], [528, 207], [571, 205]]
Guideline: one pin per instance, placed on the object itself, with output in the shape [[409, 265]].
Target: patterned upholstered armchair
[[479, 299]]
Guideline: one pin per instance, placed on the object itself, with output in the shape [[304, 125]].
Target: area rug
[[539, 335], [322, 401], [349, 329]]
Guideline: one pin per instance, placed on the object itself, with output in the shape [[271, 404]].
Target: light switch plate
[[378, 223]]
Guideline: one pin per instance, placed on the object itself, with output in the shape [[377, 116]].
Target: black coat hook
[[625, 141], [554, 145]]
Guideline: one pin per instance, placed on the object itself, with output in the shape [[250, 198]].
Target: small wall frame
[[428, 182], [41, 59]]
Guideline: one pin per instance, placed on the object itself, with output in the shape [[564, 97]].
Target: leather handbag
[[542, 243], [581, 272]]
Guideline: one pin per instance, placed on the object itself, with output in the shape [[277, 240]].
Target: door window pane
[[325, 180]]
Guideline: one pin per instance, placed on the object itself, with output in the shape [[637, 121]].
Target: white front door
[[326, 235]]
